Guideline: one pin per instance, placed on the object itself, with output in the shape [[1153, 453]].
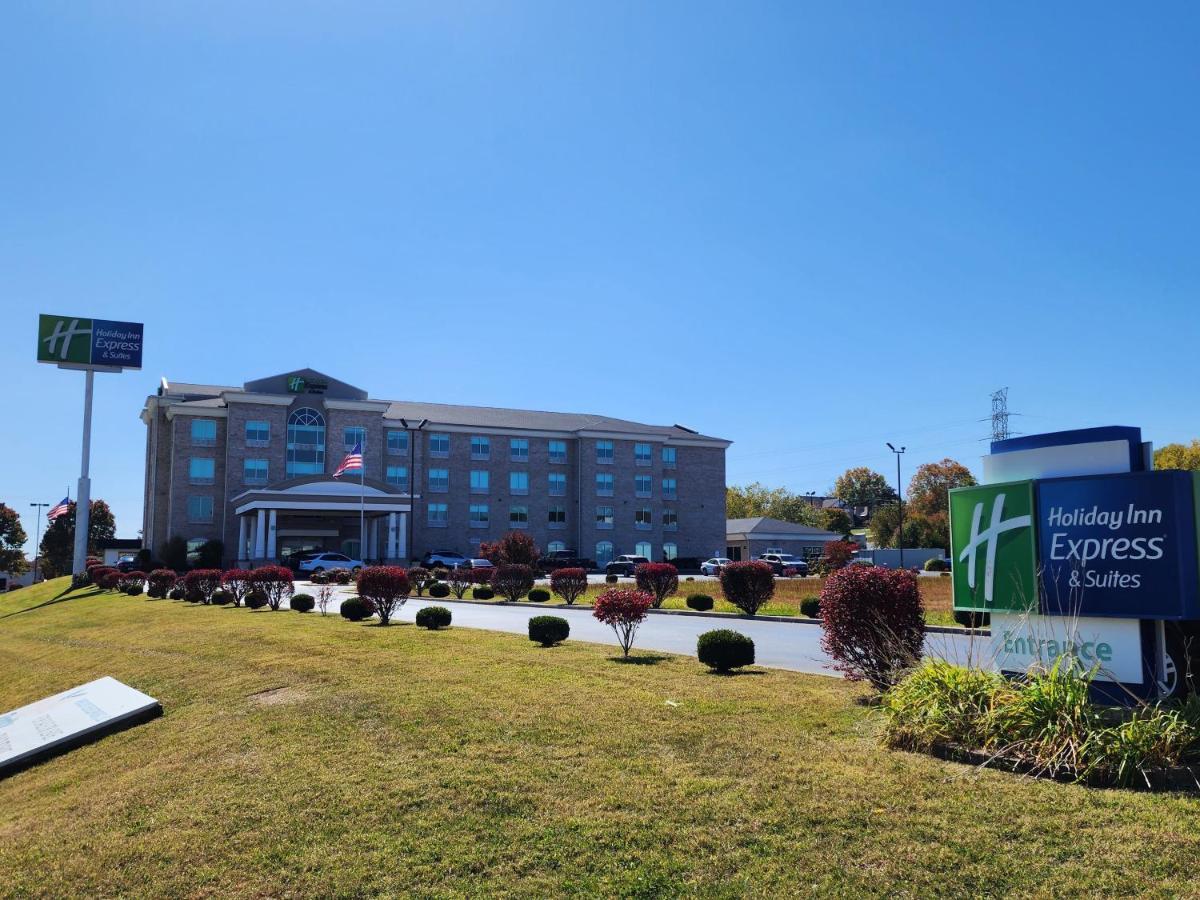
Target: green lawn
[[304, 755]]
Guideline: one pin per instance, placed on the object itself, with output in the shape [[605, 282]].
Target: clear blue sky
[[807, 228]]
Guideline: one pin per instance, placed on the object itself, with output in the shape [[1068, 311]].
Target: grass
[[305, 755]]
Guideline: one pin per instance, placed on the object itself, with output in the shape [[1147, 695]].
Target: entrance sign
[[1111, 648], [66, 720]]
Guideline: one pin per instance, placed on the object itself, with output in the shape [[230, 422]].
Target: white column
[[271, 537], [260, 534], [375, 538], [391, 538], [241, 550], [402, 538]]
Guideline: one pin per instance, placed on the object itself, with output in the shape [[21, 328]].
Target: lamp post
[[37, 537], [900, 503]]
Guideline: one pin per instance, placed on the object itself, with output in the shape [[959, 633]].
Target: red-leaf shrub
[[161, 581], [837, 556], [660, 580], [512, 582], [385, 588], [624, 610], [106, 578], [131, 579], [516, 548], [237, 583], [420, 579], [570, 584], [874, 623], [747, 585], [275, 582], [462, 579], [202, 583]]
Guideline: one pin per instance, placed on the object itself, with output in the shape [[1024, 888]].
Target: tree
[[386, 588], [929, 489], [569, 583], [1178, 456], [58, 543], [919, 531], [660, 580], [12, 542], [237, 583], [516, 548], [624, 610], [861, 486], [837, 555], [748, 585], [274, 582], [777, 503], [873, 623], [174, 553], [461, 579], [512, 582], [836, 520], [203, 583]]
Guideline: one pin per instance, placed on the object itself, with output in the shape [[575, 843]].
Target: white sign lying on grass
[[1112, 646], [68, 719]]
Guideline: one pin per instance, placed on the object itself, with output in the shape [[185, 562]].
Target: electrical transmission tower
[[1000, 430]]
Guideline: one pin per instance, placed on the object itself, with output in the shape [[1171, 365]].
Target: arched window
[[670, 551], [604, 553], [305, 443], [643, 548], [556, 547]]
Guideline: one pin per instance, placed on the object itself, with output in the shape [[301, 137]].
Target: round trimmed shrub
[[724, 649], [811, 607], [969, 619], [191, 595], [221, 598], [133, 590], [549, 630], [483, 592], [356, 609], [539, 595], [935, 565], [256, 600], [302, 602], [176, 593], [700, 602], [610, 579], [439, 589], [748, 585], [433, 617]]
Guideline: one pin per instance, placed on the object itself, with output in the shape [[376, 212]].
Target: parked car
[[322, 562], [564, 559], [781, 562], [477, 564], [447, 558], [713, 566], [625, 564], [127, 563]]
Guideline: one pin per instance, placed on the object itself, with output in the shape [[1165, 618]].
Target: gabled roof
[[764, 526]]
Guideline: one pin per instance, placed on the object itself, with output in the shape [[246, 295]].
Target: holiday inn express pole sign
[[93, 345]]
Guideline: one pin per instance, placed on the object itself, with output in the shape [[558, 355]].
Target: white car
[[713, 566], [321, 562]]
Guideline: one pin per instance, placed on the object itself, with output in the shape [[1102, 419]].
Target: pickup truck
[[564, 559]]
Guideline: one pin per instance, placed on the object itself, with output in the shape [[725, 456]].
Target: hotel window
[[201, 470], [397, 443], [643, 548], [604, 452], [479, 515], [670, 520], [670, 552], [558, 484], [437, 515], [556, 517], [439, 480], [518, 517], [641, 454], [604, 517], [604, 484], [668, 486], [518, 449], [668, 457], [305, 443], [200, 509], [643, 519], [480, 481], [204, 432], [254, 471], [555, 547], [258, 434], [604, 553], [558, 451], [481, 447], [354, 435], [518, 483], [397, 476], [642, 485], [439, 445]]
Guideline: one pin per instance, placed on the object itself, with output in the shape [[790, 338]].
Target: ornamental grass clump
[[623, 610]]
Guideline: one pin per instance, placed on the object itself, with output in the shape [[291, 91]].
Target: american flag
[[352, 462], [63, 507]]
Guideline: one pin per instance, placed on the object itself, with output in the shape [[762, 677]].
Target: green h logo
[[993, 547], [295, 383], [64, 339]]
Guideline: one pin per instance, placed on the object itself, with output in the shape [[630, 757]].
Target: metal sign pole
[[84, 492]]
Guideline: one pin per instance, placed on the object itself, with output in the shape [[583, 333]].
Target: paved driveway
[[781, 645]]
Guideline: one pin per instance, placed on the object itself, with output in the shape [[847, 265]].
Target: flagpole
[[362, 490]]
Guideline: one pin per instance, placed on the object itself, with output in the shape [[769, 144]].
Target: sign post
[[92, 345]]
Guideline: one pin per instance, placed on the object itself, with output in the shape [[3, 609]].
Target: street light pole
[[900, 502], [37, 538]]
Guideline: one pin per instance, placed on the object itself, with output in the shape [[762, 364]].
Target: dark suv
[[624, 565]]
